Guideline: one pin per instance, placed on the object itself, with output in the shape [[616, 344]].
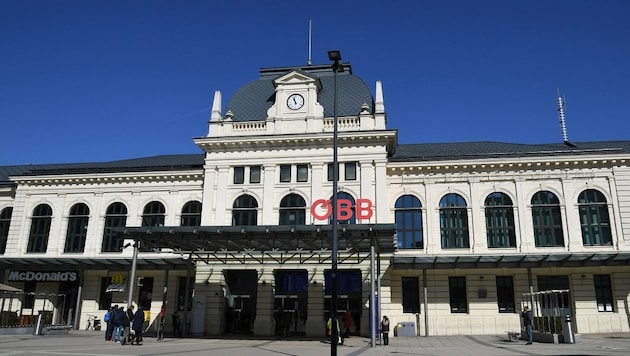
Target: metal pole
[[333, 304], [132, 273], [373, 316], [426, 302]]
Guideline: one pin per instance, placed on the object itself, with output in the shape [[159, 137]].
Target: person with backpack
[[117, 319], [109, 329]]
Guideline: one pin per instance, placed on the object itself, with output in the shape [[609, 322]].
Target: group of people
[[348, 322], [121, 322]]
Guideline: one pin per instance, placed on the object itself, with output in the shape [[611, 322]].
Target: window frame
[[115, 216], [604, 297], [500, 225], [39, 232], [410, 295], [457, 295], [454, 230], [76, 232], [505, 294], [594, 218], [547, 220], [409, 224]]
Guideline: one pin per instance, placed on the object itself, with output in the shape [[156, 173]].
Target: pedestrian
[[347, 322], [527, 316], [385, 330], [109, 324], [329, 330], [130, 318], [137, 325], [117, 316], [125, 326], [176, 324]]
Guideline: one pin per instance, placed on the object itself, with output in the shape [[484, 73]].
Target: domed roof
[[251, 101]]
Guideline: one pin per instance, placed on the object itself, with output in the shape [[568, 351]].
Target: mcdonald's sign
[[117, 283]]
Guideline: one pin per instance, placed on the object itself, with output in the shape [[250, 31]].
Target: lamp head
[[334, 55]]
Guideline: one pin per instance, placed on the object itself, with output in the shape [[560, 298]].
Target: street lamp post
[[334, 56]]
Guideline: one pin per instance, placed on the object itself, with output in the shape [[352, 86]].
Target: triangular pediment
[[297, 77]]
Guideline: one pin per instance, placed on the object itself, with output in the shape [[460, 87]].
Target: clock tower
[[295, 108]]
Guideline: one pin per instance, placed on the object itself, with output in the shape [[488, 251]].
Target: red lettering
[[364, 209], [325, 204], [321, 209]]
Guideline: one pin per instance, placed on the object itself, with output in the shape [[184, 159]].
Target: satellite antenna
[[309, 41], [563, 122]]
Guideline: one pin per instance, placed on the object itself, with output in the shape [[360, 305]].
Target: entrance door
[[290, 302], [241, 295], [349, 296]]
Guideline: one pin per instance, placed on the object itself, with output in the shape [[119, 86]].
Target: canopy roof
[[307, 243], [513, 260]]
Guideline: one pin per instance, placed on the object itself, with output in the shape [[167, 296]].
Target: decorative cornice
[[101, 179]]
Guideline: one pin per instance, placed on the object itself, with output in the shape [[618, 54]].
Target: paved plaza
[[93, 344]]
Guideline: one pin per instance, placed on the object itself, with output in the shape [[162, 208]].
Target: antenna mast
[[309, 41], [563, 122]]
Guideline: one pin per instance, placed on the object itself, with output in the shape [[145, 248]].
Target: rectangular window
[[603, 293], [351, 171], [331, 172], [302, 172], [181, 294], [29, 294], [239, 175], [457, 294], [254, 174], [410, 295], [285, 173], [105, 300], [505, 294]]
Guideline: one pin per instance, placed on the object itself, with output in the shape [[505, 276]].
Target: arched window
[[245, 211], [594, 218], [454, 221], [40, 229], [547, 220], [191, 214], [352, 219], [292, 210], [77, 228], [154, 214], [408, 215], [115, 216], [500, 220], [5, 222]]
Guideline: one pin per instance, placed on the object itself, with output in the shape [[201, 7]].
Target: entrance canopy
[[513, 260], [279, 243]]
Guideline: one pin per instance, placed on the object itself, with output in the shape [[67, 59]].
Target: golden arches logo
[[118, 278]]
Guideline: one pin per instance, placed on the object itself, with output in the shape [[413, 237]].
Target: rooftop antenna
[[563, 121], [310, 21]]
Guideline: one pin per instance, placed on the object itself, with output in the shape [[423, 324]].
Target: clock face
[[295, 101]]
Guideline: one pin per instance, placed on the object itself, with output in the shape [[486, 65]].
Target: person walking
[[117, 316], [109, 324], [125, 323], [176, 324], [130, 318], [347, 322], [137, 325], [385, 330], [527, 316]]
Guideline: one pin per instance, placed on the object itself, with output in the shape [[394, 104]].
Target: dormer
[[295, 101]]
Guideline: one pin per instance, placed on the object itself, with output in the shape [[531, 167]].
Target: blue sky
[[84, 81]]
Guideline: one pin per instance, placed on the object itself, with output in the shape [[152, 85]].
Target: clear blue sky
[[88, 80]]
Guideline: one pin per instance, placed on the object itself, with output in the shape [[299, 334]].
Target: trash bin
[[406, 328], [567, 331]]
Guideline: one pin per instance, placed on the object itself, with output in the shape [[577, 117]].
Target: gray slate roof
[[490, 149], [404, 153], [251, 101]]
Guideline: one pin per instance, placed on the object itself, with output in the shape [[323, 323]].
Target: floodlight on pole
[[334, 56]]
